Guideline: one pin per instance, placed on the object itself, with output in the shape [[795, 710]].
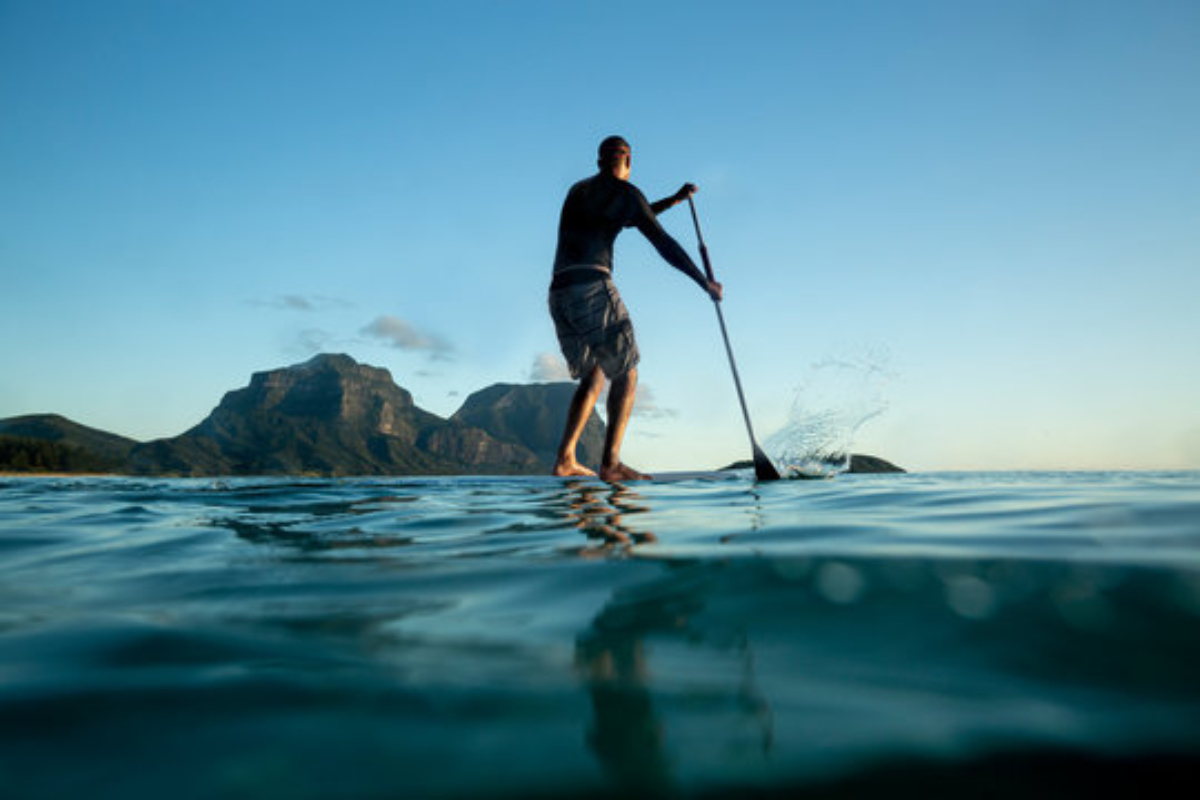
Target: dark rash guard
[[595, 211]]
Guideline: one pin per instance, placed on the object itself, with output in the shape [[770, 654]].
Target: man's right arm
[[671, 250], [685, 191]]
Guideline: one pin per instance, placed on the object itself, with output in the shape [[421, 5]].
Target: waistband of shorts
[[579, 273]]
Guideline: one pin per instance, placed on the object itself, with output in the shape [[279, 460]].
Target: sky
[[968, 230]]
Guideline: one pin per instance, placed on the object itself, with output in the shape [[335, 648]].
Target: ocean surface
[[956, 635]]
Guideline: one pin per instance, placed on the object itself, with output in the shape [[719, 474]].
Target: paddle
[[764, 470]]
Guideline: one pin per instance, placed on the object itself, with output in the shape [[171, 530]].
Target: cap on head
[[612, 149]]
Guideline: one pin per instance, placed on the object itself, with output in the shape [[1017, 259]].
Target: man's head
[[615, 156]]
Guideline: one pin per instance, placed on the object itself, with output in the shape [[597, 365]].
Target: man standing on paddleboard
[[593, 326]]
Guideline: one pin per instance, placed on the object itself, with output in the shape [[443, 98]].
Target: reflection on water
[[517, 637], [614, 654], [603, 511], [615, 658]]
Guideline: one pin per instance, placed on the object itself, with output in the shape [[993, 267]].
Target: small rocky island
[[330, 416]]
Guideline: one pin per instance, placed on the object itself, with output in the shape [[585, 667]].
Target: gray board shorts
[[593, 328]]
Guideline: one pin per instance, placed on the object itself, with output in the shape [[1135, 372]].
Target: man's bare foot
[[620, 472], [572, 468]]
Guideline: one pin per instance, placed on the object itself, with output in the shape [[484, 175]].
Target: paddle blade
[[764, 470]]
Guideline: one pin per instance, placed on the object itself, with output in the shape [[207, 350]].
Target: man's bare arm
[[685, 191]]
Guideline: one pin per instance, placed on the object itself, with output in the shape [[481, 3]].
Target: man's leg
[[620, 406], [581, 409]]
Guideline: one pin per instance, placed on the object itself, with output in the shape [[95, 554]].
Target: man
[[591, 321]]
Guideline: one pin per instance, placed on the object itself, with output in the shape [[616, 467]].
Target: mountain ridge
[[328, 416]]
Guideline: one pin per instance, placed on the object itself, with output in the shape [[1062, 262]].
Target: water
[[914, 635]]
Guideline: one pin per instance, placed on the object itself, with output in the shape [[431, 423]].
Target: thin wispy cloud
[[646, 406], [310, 341], [314, 340], [302, 303], [396, 333]]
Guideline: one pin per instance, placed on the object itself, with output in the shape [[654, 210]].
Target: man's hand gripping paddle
[[764, 470]]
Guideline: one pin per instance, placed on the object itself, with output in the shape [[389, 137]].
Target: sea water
[[901, 635]]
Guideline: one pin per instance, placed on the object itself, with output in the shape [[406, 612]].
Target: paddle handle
[[708, 270]]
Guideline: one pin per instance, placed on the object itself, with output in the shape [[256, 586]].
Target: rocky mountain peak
[[332, 416], [327, 386]]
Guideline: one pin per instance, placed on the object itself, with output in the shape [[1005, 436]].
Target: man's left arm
[[685, 191]]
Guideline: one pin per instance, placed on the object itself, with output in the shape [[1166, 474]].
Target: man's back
[[595, 211]]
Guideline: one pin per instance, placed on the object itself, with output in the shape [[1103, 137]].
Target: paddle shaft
[[737, 381]]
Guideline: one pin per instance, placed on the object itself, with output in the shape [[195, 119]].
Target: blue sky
[[986, 212]]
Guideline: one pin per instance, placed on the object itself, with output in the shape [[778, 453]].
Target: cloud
[[302, 303], [295, 302], [646, 406], [395, 332], [315, 340], [548, 367]]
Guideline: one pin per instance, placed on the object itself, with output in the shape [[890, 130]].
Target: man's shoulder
[[634, 191], [619, 200], [606, 180], [583, 182], [582, 188], [595, 180]]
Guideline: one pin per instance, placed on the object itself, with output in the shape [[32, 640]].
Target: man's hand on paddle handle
[[715, 291], [685, 191]]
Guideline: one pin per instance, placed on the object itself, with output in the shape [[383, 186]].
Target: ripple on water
[[518, 636]]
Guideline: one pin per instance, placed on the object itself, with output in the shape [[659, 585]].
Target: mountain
[[53, 443], [329, 416], [62, 431], [533, 416]]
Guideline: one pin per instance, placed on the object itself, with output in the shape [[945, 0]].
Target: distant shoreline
[[4, 474], [328, 417]]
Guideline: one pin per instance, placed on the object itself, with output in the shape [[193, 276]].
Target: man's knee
[[626, 379], [593, 382]]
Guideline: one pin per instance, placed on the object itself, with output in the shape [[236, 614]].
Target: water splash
[[834, 400]]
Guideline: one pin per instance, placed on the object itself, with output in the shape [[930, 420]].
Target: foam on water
[[912, 634]]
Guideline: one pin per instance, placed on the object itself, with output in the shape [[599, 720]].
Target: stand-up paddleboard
[[730, 473], [790, 473], [676, 476], [693, 475]]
